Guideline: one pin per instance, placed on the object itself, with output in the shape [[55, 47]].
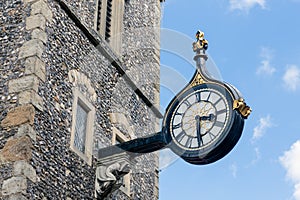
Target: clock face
[[199, 119], [201, 125]]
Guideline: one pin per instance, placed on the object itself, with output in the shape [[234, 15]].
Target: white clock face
[[199, 119]]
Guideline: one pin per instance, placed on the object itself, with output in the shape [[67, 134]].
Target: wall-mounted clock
[[206, 119], [202, 123]]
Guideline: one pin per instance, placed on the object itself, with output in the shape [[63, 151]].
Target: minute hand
[[199, 136]]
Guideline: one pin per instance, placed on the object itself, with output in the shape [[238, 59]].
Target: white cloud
[[233, 168], [291, 77], [257, 156], [246, 5], [260, 129], [266, 68], [291, 162]]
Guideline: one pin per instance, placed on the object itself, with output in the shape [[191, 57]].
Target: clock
[[202, 124], [205, 120], [199, 117]]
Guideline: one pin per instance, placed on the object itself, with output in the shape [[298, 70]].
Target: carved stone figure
[[109, 178]]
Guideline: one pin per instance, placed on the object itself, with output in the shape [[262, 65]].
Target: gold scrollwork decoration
[[241, 107], [198, 80]]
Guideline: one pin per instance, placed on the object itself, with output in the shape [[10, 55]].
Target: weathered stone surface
[[41, 7], [24, 168], [26, 130], [17, 197], [39, 34], [34, 47], [30, 82], [35, 21], [31, 97], [62, 173], [29, 1], [78, 78], [17, 149], [14, 185], [19, 115], [121, 122], [34, 65]]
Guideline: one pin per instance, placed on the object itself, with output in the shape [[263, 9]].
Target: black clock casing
[[181, 135]]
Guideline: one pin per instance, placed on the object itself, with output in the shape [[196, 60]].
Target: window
[[118, 138], [109, 22], [82, 127]]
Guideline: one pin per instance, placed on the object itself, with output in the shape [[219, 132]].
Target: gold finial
[[201, 43]]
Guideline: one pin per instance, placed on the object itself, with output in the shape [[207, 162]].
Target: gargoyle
[[108, 178]]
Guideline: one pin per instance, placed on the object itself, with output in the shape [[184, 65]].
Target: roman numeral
[[178, 113], [221, 111], [208, 96], [176, 126], [212, 136], [219, 124], [218, 101], [187, 103], [198, 97], [180, 136], [189, 142]]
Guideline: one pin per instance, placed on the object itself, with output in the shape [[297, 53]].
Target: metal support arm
[[142, 145]]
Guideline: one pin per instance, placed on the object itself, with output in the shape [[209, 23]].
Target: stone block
[[120, 118], [34, 65], [26, 130], [14, 185], [17, 149], [17, 197], [34, 47], [39, 34], [29, 1], [41, 7], [22, 168], [19, 115], [156, 98], [35, 21], [31, 97], [24, 83]]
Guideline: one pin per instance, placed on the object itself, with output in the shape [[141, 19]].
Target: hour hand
[[210, 117]]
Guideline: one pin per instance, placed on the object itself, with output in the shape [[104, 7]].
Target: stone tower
[[76, 76]]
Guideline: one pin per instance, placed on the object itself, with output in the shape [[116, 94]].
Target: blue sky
[[255, 46]]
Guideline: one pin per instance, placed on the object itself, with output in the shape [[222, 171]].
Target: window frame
[[80, 99], [118, 135], [114, 36]]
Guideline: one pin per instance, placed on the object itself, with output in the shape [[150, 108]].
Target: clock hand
[[199, 136], [210, 117]]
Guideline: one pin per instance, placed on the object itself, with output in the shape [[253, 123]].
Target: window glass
[[80, 128]]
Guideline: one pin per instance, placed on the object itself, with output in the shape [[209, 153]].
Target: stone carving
[[77, 78], [109, 178]]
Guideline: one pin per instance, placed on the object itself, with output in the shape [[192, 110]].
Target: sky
[[254, 45]]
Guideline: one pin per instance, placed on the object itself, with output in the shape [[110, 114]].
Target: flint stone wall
[[52, 170]]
